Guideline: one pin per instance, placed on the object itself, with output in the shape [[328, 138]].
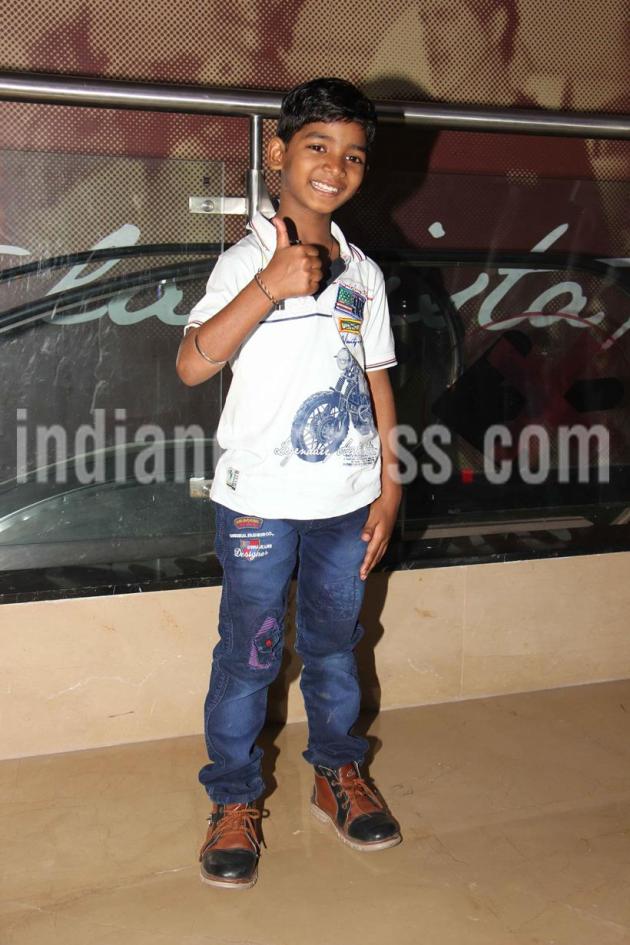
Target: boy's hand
[[378, 529], [293, 270]]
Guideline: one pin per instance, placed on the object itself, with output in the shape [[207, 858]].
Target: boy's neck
[[311, 227]]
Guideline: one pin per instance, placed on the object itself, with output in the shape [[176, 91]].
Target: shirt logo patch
[[350, 302], [231, 478], [350, 324], [248, 521]]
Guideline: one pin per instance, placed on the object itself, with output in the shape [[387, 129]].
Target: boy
[[302, 316]]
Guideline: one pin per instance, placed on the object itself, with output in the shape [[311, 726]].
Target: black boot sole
[[323, 818], [228, 883]]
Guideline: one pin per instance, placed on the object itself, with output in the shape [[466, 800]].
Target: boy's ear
[[276, 149]]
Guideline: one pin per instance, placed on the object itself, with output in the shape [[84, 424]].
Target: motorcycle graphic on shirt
[[322, 422]]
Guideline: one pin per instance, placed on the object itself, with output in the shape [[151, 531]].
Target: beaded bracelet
[[203, 354], [261, 285]]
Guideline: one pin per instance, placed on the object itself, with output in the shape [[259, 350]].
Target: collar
[[265, 232]]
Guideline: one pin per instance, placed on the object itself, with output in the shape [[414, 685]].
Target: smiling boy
[[308, 475]]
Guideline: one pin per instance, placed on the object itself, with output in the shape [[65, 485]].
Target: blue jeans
[[258, 557]]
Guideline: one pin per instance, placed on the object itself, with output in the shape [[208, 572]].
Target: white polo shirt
[[297, 429]]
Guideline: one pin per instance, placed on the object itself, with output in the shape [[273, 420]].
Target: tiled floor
[[515, 812]]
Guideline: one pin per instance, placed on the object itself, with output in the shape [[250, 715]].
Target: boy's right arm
[[292, 271]]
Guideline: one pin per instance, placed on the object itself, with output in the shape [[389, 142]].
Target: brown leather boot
[[229, 855], [342, 798]]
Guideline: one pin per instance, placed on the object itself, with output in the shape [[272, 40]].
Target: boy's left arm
[[383, 511]]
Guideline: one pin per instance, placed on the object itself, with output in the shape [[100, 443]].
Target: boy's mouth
[[323, 188]]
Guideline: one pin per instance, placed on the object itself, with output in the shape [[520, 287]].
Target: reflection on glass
[[512, 335], [100, 437]]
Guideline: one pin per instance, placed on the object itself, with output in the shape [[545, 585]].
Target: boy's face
[[321, 167]]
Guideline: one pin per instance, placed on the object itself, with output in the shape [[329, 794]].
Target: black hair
[[325, 99]]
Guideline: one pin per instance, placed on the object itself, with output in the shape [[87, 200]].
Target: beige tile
[[8, 778], [608, 901], [526, 763], [600, 712], [124, 669], [519, 867], [310, 896], [496, 872], [535, 624], [514, 810], [121, 770], [414, 625], [58, 926], [561, 924], [135, 667]]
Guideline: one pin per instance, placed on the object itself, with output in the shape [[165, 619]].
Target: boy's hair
[[325, 99]]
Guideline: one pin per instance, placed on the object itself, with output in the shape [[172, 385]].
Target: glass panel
[[99, 436], [512, 392], [512, 384]]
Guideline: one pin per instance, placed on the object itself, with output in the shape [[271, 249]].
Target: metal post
[[257, 193]]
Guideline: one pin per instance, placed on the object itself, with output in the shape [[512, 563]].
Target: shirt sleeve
[[378, 341], [232, 271]]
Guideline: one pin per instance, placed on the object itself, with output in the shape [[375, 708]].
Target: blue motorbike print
[[322, 422]]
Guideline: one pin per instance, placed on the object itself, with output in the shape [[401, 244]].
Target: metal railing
[[256, 105], [74, 90]]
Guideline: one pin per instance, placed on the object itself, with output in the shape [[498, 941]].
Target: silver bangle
[[203, 354]]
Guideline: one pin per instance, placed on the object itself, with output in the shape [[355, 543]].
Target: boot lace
[[236, 820], [356, 789]]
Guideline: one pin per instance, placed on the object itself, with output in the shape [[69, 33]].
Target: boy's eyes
[[355, 158]]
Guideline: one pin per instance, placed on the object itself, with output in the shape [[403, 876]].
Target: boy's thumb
[[282, 236]]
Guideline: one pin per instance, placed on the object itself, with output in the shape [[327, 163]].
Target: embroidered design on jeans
[[240, 535], [248, 521], [251, 548], [262, 651]]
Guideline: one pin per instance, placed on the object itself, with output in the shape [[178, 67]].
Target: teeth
[[325, 187]]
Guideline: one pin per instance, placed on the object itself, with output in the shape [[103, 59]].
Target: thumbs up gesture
[[293, 270]]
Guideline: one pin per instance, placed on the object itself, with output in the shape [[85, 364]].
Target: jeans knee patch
[[266, 645], [339, 599]]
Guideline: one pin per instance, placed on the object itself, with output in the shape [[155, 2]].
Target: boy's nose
[[335, 165]]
